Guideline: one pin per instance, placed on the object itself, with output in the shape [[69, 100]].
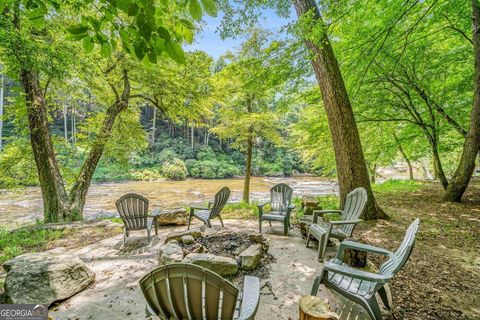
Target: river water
[[25, 206]]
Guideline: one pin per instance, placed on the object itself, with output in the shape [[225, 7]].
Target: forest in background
[[117, 98]]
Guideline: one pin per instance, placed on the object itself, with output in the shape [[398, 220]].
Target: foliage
[[174, 169]]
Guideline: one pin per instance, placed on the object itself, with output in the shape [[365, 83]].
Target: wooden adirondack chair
[[213, 210], [187, 291], [280, 197], [322, 231], [133, 209], [362, 286]]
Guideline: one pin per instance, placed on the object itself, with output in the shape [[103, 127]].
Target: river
[[25, 206]]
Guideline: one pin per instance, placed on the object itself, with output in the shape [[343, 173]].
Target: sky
[[209, 40]]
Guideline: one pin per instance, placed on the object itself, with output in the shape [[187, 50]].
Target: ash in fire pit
[[248, 249]]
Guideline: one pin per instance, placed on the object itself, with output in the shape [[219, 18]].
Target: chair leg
[[148, 235], [221, 221], [260, 225], [270, 223], [208, 223], [125, 235], [373, 309], [189, 220], [382, 292], [316, 283], [285, 228], [308, 238], [321, 247]]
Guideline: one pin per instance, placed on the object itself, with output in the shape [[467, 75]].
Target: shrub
[[211, 169], [147, 174], [271, 169], [174, 169]]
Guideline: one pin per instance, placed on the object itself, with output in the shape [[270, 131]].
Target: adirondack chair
[[133, 209], [280, 197], [187, 291], [361, 286], [322, 231], [213, 210]]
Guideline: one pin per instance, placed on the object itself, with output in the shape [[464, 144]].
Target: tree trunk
[[248, 170], [471, 145], [193, 135], [79, 190], [350, 163], [154, 124], [55, 205], [65, 121], [437, 165], [2, 86], [404, 155]]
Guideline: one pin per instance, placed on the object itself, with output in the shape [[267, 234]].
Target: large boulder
[[177, 235], [45, 277], [170, 252], [224, 266], [250, 258], [178, 217], [188, 239]]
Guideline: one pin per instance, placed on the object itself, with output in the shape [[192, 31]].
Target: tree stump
[[355, 258], [314, 308], [309, 204]]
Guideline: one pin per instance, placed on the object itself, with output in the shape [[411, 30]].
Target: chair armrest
[[355, 273], [341, 222], [250, 298], [261, 205], [210, 204], [362, 247], [317, 213], [199, 208], [291, 206]]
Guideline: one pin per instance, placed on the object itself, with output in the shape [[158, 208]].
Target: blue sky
[[209, 38]]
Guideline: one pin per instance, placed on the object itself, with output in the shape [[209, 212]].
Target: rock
[[224, 266], [170, 253], [198, 248], [188, 239], [45, 277], [212, 232], [260, 239], [177, 235], [178, 217], [250, 258]]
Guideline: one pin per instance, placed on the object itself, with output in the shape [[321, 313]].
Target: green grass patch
[[393, 185], [240, 210], [14, 243]]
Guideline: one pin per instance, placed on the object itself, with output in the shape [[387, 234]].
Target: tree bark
[[471, 145], [55, 204], [65, 121], [248, 170], [404, 155], [350, 163], [154, 124], [79, 190]]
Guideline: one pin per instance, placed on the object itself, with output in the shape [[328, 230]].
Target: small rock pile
[[222, 251]]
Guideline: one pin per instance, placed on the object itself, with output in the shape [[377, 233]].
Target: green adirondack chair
[[213, 211], [361, 286], [280, 198], [322, 231], [187, 291], [133, 210]]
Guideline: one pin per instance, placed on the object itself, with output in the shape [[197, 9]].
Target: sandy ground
[[115, 294]]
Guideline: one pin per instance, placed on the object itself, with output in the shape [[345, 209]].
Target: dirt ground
[[442, 278]]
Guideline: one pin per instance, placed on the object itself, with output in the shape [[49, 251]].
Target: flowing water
[[25, 206]]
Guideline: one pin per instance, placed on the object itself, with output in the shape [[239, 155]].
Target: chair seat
[[274, 216], [203, 215], [350, 285], [321, 228]]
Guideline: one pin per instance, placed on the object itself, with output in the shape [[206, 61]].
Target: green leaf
[[77, 29], [210, 7], [105, 50], [175, 52], [124, 36], [132, 9], [187, 23], [152, 56], [162, 32], [195, 9], [88, 44], [139, 48]]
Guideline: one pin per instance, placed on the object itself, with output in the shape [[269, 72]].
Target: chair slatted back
[[219, 202], [354, 205], [400, 257], [187, 291], [133, 209], [280, 197]]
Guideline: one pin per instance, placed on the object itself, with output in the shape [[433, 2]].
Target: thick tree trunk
[[79, 191], [404, 155], [55, 204], [350, 163], [248, 170], [463, 174]]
